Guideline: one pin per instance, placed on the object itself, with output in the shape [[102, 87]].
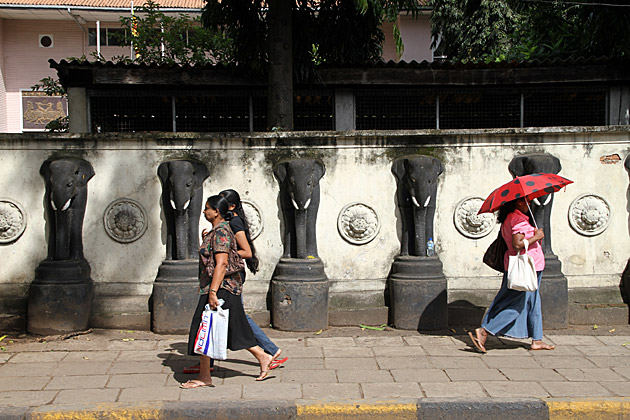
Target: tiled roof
[[123, 4]]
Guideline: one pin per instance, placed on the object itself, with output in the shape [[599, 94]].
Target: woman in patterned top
[[215, 284], [246, 249]]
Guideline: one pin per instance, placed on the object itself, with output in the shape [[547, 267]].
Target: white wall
[[358, 169]]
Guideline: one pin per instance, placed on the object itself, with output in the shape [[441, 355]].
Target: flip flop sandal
[[277, 363], [194, 383], [477, 343]]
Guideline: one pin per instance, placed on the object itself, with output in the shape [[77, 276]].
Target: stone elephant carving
[[299, 199], [417, 179], [541, 207], [65, 201], [182, 197]]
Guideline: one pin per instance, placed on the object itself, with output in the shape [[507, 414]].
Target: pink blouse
[[517, 222]]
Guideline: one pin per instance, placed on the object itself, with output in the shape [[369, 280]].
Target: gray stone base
[[354, 317], [12, 323], [138, 321]]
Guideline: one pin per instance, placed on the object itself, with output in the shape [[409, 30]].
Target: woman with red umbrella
[[516, 313]]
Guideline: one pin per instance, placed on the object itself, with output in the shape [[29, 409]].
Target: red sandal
[[276, 363]]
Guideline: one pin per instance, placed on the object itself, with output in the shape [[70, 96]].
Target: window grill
[[130, 113], [395, 109], [212, 112], [313, 110], [476, 108], [568, 106]]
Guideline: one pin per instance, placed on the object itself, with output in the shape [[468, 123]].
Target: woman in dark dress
[[246, 249], [215, 284]]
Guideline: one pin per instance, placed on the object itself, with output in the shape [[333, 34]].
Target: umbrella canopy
[[530, 186]]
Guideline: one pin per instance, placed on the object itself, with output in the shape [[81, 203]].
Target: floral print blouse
[[219, 239]]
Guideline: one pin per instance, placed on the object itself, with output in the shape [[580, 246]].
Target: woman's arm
[[517, 239], [244, 250], [221, 262]]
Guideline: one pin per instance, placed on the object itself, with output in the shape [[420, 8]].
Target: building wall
[[3, 91], [416, 36], [26, 63], [358, 169]]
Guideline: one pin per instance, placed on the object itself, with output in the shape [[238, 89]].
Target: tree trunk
[[280, 78]]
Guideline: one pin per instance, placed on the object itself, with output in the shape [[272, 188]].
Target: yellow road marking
[[357, 411], [613, 409]]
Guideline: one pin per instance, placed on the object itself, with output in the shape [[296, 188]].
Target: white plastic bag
[[211, 338], [522, 272]]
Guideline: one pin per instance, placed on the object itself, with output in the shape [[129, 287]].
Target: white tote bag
[[212, 335], [522, 272]]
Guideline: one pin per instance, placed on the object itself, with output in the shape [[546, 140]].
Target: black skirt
[[240, 335]]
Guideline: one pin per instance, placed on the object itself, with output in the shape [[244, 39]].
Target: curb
[[420, 409]]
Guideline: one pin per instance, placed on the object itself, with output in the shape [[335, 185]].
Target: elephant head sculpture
[[417, 179], [66, 198], [299, 198], [541, 207], [182, 197]]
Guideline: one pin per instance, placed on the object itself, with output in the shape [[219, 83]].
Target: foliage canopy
[[336, 32], [498, 30]]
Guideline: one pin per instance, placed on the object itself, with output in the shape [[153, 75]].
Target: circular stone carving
[[589, 214], [471, 224], [12, 220], [358, 223], [254, 218], [125, 220]]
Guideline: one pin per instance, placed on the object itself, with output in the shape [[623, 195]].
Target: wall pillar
[[345, 111], [78, 110], [619, 105]]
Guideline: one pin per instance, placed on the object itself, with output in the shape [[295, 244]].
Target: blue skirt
[[515, 314]]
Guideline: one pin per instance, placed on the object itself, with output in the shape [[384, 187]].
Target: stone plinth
[[175, 296], [299, 295], [418, 294], [60, 297]]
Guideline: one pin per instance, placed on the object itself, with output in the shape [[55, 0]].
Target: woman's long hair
[[508, 208], [233, 198], [219, 203]]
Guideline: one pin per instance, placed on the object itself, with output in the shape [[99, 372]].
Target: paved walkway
[[342, 367]]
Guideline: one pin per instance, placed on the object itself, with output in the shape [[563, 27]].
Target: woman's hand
[[538, 235], [213, 301]]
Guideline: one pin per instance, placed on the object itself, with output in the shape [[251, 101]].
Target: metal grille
[[475, 108], [259, 102], [313, 110], [212, 113], [130, 113], [561, 107], [395, 109]]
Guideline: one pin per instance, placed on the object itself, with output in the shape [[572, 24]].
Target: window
[[109, 36]]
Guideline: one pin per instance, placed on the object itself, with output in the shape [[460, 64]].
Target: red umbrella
[[530, 186]]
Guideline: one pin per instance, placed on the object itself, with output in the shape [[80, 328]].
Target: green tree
[[287, 39], [497, 30], [158, 38]]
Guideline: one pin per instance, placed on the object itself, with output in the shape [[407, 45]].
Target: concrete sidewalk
[[340, 373]]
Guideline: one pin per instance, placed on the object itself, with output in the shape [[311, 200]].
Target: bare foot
[[482, 336], [278, 353], [265, 365], [195, 383], [540, 345]]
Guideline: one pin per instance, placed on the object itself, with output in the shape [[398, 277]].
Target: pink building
[[34, 31]]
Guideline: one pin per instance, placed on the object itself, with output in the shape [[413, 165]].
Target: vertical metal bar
[[98, 37], [174, 114], [522, 110], [251, 113], [437, 112]]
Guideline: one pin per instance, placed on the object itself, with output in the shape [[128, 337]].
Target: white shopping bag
[[521, 272], [212, 335]]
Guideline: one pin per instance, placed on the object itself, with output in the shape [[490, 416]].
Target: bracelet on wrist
[[212, 290]]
